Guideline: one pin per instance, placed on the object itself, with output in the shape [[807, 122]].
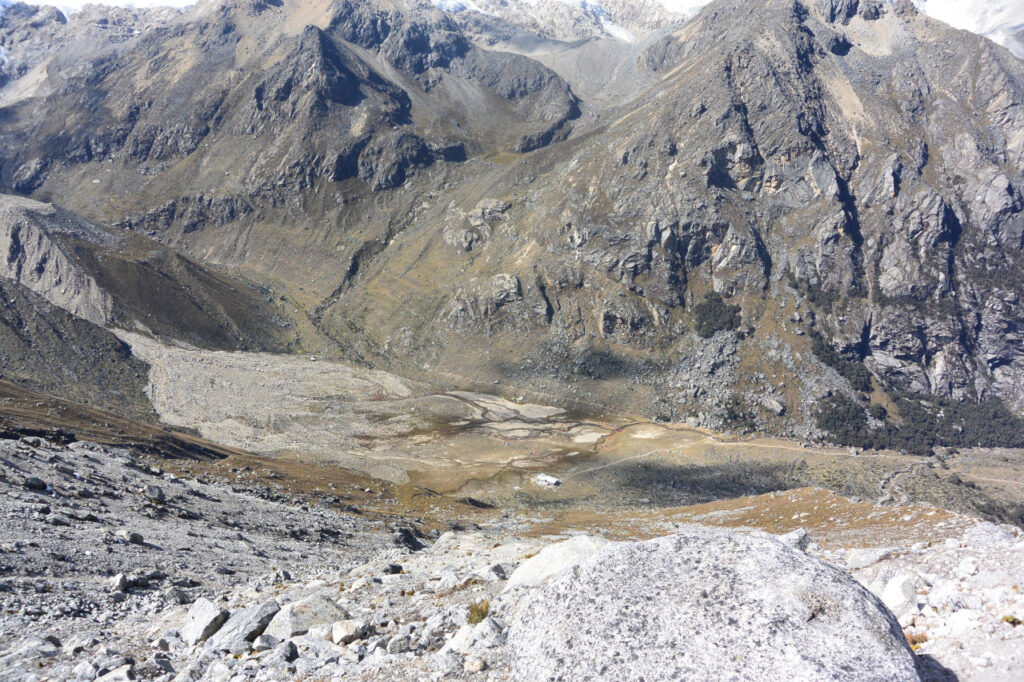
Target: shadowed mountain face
[[48, 349], [455, 197], [112, 278]]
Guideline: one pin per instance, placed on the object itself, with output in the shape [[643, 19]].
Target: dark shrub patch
[[926, 424], [853, 371], [714, 315]]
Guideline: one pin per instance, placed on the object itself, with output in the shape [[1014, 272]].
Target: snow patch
[[998, 20], [610, 27], [456, 6], [69, 7], [687, 8]]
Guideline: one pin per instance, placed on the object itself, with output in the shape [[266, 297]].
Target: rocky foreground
[[113, 569]]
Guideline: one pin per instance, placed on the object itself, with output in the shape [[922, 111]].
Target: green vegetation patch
[[853, 371], [925, 424], [713, 315]]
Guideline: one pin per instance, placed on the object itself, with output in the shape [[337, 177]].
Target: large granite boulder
[[706, 604]]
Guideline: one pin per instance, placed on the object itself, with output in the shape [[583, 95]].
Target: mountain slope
[[47, 349], [453, 200], [116, 279]]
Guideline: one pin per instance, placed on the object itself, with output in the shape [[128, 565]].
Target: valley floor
[[373, 512]]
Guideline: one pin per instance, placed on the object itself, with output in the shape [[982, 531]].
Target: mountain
[[65, 281], [729, 220], [1000, 20], [319, 319]]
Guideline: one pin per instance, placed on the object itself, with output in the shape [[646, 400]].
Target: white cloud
[[995, 19]]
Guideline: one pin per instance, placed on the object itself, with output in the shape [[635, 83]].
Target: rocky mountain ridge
[[825, 166]]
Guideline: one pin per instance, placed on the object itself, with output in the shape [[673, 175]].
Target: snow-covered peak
[[1000, 20], [71, 6], [574, 19]]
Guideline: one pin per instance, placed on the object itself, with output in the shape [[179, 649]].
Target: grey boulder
[[706, 604], [297, 618], [204, 618], [555, 559], [237, 634]]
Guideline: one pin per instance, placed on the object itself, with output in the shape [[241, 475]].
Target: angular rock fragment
[[204, 619], [238, 632], [297, 618]]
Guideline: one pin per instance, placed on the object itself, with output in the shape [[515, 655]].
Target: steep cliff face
[[115, 279], [38, 262], [457, 196]]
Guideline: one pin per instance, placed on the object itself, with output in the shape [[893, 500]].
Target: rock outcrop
[[35, 260]]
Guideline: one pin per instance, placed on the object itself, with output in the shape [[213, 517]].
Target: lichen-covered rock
[[706, 604]]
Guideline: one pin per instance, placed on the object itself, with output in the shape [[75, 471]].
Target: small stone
[[899, 594], [130, 536], [399, 645], [488, 633], [348, 631], [474, 664], [773, 406], [285, 652], [154, 493], [265, 643], [796, 538], [120, 674], [119, 583], [77, 646], [34, 483], [967, 567], [321, 631], [58, 520], [176, 595], [393, 569], [84, 671]]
